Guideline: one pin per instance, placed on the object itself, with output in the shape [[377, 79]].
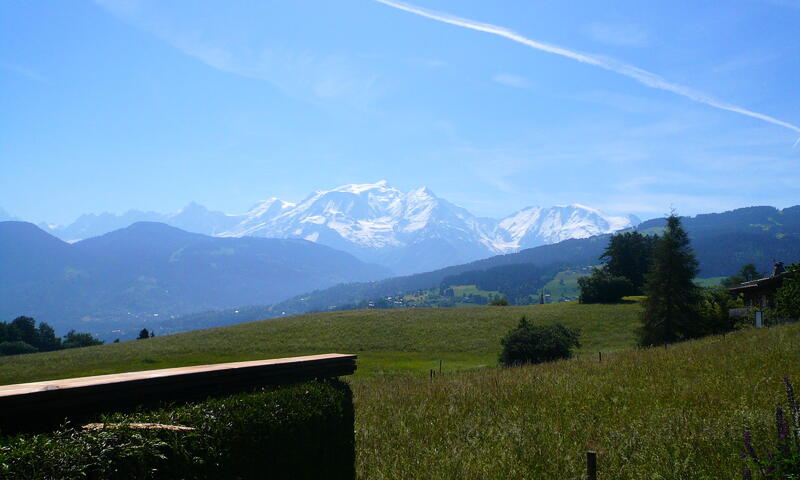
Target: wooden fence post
[[591, 465]]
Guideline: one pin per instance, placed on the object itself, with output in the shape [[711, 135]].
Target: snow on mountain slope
[[534, 226], [409, 232], [382, 224]]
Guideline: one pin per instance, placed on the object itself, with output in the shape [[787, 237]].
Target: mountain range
[[407, 232], [148, 270], [722, 242]]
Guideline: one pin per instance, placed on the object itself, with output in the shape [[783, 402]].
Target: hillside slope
[[408, 341], [674, 412], [152, 268], [722, 242]]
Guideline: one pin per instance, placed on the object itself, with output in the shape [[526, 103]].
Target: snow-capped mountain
[[534, 226], [408, 232]]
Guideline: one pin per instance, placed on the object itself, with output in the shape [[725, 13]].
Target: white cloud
[[511, 80]]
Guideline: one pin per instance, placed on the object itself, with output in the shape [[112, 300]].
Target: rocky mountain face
[[407, 232]]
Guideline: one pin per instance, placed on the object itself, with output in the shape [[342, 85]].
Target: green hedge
[[298, 431]]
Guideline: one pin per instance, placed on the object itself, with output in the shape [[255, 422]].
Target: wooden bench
[[37, 406]]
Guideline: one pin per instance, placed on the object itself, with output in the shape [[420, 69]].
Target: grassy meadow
[[388, 342], [660, 413], [675, 413]]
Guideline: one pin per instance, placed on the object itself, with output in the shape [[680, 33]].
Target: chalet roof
[[774, 281]]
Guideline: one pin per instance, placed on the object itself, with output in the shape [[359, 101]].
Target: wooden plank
[[42, 405]]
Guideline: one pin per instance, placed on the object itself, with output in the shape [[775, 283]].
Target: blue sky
[[119, 104]]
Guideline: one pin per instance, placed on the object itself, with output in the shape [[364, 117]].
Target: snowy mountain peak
[[407, 231]]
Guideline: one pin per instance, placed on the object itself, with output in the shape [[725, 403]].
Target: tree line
[[663, 268], [22, 335]]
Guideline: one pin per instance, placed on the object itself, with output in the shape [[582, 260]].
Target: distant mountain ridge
[[193, 218], [151, 269], [723, 243], [407, 232]]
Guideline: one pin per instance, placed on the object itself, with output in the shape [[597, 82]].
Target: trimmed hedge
[[298, 431]]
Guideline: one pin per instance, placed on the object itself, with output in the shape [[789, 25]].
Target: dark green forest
[[22, 335]]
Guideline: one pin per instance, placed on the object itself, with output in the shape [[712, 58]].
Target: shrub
[[602, 287], [715, 305], [499, 302], [784, 461], [16, 348], [538, 343], [77, 340], [299, 431], [787, 298]]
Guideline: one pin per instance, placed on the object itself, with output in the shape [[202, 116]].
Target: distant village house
[[760, 293]]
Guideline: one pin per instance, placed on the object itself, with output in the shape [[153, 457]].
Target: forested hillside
[[150, 270], [722, 242]]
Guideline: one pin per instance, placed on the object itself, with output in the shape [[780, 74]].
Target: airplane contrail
[[642, 76]]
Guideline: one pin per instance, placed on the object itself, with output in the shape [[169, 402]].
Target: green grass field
[[403, 341], [565, 284], [650, 413], [675, 413]]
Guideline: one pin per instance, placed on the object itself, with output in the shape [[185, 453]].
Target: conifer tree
[[672, 306]]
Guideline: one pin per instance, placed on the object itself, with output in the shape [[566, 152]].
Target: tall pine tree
[[671, 310]]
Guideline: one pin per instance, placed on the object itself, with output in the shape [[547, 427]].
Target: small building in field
[[760, 293]]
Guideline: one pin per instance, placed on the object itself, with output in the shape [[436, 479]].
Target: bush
[[77, 340], [602, 287], [16, 348], [499, 302], [299, 431], [538, 343], [787, 298], [715, 305]]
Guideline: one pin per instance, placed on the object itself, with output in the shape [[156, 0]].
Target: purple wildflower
[[780, 424], [794, 408], [748, 445], [747, 474]]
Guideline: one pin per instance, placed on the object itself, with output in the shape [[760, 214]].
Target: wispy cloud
[[23, 72], [642, 76], [303, 74], [621, 35], [511, 80]]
